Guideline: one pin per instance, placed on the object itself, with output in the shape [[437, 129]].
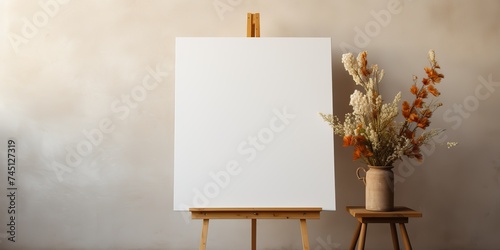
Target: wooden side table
[[399, 215]]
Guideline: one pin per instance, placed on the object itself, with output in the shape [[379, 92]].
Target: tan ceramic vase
[[379, 187]]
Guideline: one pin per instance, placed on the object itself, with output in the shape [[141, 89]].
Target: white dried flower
[[351, 66], [432, 55], [373, 136], [359, 103], [380, 76]]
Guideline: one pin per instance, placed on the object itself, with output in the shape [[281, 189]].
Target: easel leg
[[254, 234], [305, 237], [394, 233], [204, 234], [404, 234], [362, 236], [355, 237]]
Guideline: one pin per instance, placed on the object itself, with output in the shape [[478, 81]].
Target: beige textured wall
[[86, 91]]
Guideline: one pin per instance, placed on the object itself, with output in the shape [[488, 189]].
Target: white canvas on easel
[[247, 130]]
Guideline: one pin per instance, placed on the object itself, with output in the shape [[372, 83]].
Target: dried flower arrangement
[[378, 139]]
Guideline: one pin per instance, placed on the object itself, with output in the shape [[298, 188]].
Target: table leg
[[394, 233], [355, 237], [204, 234], [303, 231], [404, 234], [362, 237], [254, 234]]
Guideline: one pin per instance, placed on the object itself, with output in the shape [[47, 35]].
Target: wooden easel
[[253, 214], [253, 30]]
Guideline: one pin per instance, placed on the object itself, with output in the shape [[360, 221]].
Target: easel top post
[[253, 25]]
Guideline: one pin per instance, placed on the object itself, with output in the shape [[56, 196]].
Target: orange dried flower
[[364, 70], [426, 81], [418, 103], [367, 153], [360, 148], [413, 117], [414, 89], [424, 123], [427, 113], [364, 151], [437, 77], [428, 71], [433, 75], [406, 109], [433, 90], [347, 140], [423, 94], [409, 134], [357, 153]]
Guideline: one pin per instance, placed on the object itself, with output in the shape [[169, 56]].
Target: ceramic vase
[[379, 187]]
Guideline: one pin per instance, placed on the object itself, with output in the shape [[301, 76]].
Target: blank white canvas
[[247, 129]]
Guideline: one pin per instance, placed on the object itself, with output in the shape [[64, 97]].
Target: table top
[[399, 211]]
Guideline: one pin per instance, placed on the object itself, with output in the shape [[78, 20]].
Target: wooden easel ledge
[[256, 213]]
